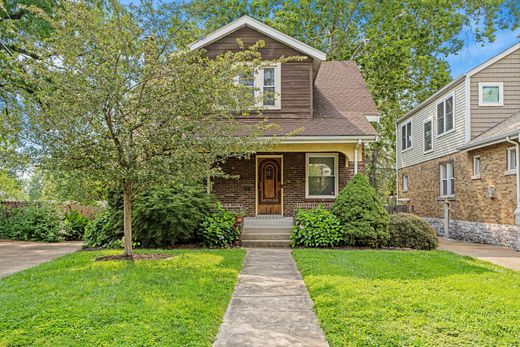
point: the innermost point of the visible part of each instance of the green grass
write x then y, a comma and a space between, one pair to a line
74, 301
406, 298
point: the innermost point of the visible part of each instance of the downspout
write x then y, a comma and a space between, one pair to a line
517, 210
356, 157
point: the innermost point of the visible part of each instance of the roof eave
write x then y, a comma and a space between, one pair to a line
491, 141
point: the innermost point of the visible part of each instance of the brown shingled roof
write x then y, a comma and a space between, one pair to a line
341, 104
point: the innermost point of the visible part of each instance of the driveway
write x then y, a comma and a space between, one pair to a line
19, 255
503, 256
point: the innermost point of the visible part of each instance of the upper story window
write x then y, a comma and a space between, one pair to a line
511, 160
265, 86
491, 94
428, 135
445, 116
447, 182
321, 178
406, 135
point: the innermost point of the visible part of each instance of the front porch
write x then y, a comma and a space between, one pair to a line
278, 183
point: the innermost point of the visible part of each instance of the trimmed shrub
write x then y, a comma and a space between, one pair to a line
362, 214
218, 228
34, 222
409, 231
316, 228
166, 217
76, 224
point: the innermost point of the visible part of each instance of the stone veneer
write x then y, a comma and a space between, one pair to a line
475, 216
242, 190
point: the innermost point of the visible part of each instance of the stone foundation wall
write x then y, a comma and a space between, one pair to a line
493, 234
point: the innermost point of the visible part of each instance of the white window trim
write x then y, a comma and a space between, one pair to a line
259, 87
475, 175
411, 137
429, 119
451, 194
336, 174
405, 189
509, 170
450, 95
500, 86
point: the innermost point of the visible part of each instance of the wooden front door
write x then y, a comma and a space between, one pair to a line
269, 185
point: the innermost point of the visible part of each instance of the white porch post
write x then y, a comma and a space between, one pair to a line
356, 157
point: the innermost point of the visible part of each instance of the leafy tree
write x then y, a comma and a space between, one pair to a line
113, 105
10, 186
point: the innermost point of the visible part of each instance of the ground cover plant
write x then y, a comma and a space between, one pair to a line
411, 298
316, 228
76, 301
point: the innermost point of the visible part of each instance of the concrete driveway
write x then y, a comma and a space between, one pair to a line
19, 255
503, 256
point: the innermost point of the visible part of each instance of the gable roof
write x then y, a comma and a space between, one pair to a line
264, 29
509, 127
457, 80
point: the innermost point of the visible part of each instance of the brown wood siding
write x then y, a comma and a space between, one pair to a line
506, 70
296, 84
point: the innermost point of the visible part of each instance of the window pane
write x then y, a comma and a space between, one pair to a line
452, 187
440, 118
322, 186
403, 137
427, 136
490, 94
449, 170
476, 166
449, 105
448, 116
511, 159
321, 166
269, 96
269, 77
409, 135
444, 187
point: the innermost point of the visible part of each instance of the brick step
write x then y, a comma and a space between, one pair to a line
266, 243
267, 229
266, 236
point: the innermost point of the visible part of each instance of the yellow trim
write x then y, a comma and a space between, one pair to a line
347, 149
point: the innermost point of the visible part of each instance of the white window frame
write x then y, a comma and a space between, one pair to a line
443, 101
336, 174
401, 135
475, 173
510, 170
449, 192
259, 85
500, 86
424, 137
405, 180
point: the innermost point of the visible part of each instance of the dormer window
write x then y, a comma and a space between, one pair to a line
265, 85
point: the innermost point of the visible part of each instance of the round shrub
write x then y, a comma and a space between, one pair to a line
316, 228
166, 217
410, 231
362, 214
218, 228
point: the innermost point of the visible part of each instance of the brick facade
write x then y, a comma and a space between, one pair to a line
471, 201
243, 191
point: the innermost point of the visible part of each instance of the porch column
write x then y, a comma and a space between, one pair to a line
356, 157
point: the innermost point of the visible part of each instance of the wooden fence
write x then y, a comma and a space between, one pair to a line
85, 210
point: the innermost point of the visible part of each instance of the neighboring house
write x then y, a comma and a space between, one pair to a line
326, 101
461, 146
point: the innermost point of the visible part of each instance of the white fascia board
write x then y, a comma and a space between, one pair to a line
325, 139
264, 29
373, 118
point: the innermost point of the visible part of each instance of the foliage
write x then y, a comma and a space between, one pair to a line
408, 298
362, 214
76, 301
106, 229
33, 222
316, 228
218, 228
76, 224
410, 231
165, 217
10, 187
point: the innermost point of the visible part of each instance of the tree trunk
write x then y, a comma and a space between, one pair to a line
127, 218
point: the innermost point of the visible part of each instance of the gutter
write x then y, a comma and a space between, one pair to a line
517, 210
323, 139
491, 141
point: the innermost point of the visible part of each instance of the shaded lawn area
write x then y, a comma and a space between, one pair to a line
74, 301
411, 298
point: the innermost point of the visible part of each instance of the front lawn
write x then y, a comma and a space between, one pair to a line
74, 301
419, 298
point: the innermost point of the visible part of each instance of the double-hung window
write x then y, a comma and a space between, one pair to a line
445, 116
406, 135
447, 182
428, 136
265, 84
511, 160
321, 175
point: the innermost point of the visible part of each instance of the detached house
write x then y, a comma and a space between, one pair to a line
460, 148
326, 100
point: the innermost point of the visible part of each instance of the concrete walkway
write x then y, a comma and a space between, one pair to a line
19, 255
503, 256
270, 305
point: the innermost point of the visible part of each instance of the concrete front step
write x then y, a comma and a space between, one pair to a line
266, 236
267, 229
265, 222
266, 243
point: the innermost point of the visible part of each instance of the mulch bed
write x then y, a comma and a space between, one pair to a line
148, 256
